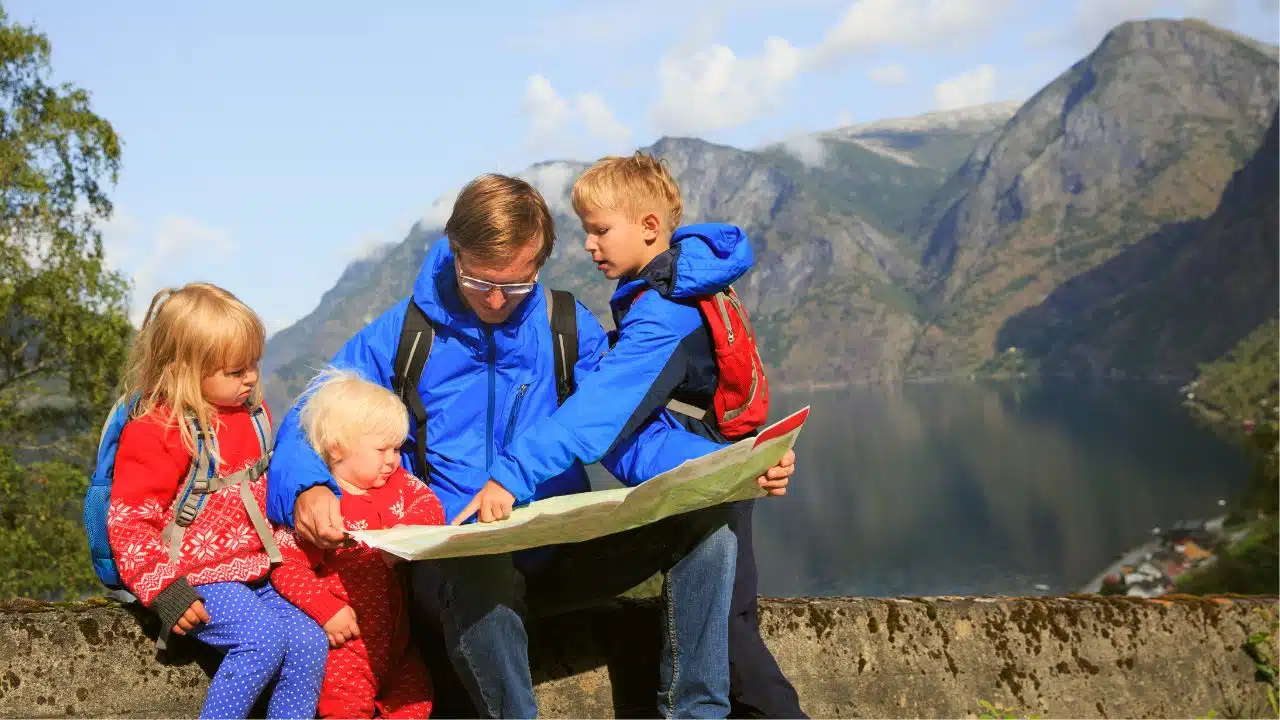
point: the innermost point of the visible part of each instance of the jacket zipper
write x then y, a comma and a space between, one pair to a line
493, 380
515, 413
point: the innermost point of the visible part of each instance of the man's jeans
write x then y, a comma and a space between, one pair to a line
481, 603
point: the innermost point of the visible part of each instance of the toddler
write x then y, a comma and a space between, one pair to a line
358, 427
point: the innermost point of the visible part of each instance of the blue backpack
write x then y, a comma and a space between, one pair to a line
202, 481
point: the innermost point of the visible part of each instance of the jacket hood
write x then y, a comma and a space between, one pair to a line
703, 259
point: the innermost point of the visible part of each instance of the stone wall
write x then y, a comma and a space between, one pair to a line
1082, 656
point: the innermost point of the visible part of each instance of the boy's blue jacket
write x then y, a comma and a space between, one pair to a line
489, 391
661, 349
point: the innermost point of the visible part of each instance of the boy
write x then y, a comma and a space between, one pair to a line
630, 209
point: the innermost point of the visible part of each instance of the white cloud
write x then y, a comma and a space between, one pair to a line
369, 245
890, 74
975, 87
807, 148
599, 120
546, 110
552, 119
714, 89
845, 119
440, 209
118, 233
175, 251
870, 25
553, 180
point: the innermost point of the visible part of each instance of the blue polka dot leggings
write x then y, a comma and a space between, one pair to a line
262, 634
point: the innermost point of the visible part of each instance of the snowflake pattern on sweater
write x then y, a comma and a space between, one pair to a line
152, 467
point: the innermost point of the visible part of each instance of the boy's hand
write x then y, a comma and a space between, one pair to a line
342, 627
775, 479
317, 517
493, 502
194, 616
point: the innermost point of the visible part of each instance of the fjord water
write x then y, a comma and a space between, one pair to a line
983, 489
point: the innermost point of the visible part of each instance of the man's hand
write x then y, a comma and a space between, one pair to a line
775, 479
493, 502
317, 517
342, 627
194, 616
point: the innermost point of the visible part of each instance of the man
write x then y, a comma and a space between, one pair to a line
491, 375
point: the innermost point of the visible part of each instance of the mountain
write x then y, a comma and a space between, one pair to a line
1144, 132
1073, 226
1177, 298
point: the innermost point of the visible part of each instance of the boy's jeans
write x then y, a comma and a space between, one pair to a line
481, 602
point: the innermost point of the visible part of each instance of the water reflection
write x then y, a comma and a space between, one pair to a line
979, 489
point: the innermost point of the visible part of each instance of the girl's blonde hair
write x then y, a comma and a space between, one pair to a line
188, 334
340, 406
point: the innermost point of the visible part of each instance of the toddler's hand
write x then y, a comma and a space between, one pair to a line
342, 627
194, 616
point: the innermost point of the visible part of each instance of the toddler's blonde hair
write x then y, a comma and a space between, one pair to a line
188, 334
341, 406
633, 185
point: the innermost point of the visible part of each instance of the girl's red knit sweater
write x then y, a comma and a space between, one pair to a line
152, 466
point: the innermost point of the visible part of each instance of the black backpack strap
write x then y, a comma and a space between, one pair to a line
562, 310
411, 357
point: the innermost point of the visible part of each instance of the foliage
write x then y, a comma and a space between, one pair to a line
1244, 384
1261, 648
1242, 387
65, 329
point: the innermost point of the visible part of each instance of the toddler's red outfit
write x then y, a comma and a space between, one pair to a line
379, 671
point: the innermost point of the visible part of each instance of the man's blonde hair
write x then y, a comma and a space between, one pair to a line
633, 185
188, 334
495, 216
341, 406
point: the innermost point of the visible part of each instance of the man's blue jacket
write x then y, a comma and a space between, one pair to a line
490, 395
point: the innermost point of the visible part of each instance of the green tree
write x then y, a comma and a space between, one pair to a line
63, 324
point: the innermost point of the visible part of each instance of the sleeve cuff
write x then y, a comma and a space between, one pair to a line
170, 603
510, 479
326, 606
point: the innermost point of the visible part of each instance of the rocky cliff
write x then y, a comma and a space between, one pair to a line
1143, 133
1183, 295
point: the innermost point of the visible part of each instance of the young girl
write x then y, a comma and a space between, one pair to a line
358, 427
194, 553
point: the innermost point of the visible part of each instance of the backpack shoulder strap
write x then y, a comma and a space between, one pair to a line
262, 425
412, 351
562, 311
191, 498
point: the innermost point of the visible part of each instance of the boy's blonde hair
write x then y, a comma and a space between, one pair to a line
633, 185
188, 334
342, 406
495, 216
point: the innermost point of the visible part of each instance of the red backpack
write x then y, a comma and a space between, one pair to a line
741, 401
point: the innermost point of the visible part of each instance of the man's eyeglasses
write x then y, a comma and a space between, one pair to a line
487, 287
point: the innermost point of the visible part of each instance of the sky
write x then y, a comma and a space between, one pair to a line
267, 145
